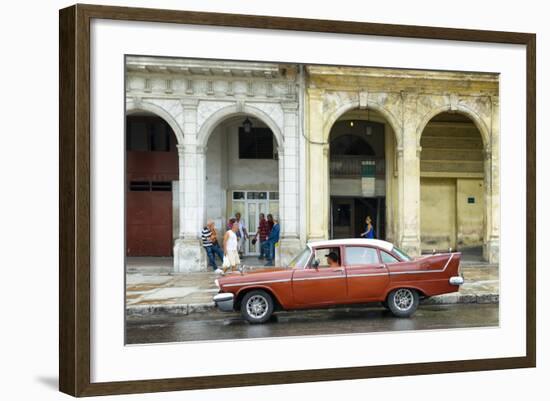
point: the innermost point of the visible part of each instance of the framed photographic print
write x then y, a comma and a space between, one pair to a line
279, 200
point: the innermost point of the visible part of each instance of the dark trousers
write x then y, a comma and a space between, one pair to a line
263, 253
269, 250
211, 252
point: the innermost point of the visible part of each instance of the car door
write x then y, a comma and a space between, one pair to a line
367, 276
323, 285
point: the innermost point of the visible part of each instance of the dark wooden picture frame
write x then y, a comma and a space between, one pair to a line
74, 203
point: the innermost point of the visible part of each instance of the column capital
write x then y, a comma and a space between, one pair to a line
487, 152
137, 101
409, 95
453, 102
189, 104
399, 150
289, 106
363, 99
191, 148
316, 93
239, 105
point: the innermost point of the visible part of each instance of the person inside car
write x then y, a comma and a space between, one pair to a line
332, 260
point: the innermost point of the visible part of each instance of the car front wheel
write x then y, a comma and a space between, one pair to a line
257, 306
403, 302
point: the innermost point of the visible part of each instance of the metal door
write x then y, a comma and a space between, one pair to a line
253, 210
149, 220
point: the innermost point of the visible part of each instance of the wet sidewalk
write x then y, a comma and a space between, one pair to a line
151, 288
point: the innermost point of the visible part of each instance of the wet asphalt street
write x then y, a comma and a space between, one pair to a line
224, 326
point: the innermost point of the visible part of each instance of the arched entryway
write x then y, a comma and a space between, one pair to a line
452, 186
242, 173
361, 156
151, 175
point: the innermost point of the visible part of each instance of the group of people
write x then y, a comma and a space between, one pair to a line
231, 249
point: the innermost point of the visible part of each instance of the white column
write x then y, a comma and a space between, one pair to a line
492, 188
318, 189
289, 184
188, 253
409, 178
189, 190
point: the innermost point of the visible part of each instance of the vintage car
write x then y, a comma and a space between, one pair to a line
365, 271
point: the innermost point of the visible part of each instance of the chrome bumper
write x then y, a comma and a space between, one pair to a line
224, 301
456, 280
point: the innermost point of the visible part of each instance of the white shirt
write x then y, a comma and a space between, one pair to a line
231, 244
241, 227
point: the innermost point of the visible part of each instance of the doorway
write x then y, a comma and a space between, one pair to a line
251, 204
348, 214
151, 169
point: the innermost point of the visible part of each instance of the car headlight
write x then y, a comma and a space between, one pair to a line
217, 282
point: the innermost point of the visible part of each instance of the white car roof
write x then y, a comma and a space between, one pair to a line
387, 246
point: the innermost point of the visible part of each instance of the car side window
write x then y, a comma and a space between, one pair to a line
387, 258
361, 255
321, 254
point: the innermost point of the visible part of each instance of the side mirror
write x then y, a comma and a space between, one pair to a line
316, 264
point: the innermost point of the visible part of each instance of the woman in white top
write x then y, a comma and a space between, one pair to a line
231, 247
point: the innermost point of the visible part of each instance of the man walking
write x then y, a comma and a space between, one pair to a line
272, 240
209, 239
261, 234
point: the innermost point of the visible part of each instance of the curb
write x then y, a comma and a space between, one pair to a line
449, 299
169, 309
188, 309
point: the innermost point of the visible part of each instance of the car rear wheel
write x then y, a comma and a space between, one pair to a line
403, 302
257, 306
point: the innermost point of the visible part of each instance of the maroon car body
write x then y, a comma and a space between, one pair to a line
367, 271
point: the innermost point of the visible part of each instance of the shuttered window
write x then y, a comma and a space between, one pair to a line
256, 144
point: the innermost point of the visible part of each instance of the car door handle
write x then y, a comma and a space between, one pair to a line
340, 270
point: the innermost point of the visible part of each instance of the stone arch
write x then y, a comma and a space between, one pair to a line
462, 109
344, 106
235, 110
354, 104
485, 134
133, 106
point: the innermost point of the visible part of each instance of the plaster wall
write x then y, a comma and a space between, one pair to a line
438, 213
470, 216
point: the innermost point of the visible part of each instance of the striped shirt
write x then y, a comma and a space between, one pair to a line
205, 236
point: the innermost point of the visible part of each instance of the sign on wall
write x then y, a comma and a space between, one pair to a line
368, 169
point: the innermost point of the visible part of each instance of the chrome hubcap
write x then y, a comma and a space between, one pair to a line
403, 299
256, 306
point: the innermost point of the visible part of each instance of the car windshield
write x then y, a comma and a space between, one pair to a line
301, 259
402, 254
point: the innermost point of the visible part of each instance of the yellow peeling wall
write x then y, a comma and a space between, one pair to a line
470, 216
446, 149
438, 213
451, 170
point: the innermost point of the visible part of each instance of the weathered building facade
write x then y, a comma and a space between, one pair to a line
440, 181
206, 103
322, 147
